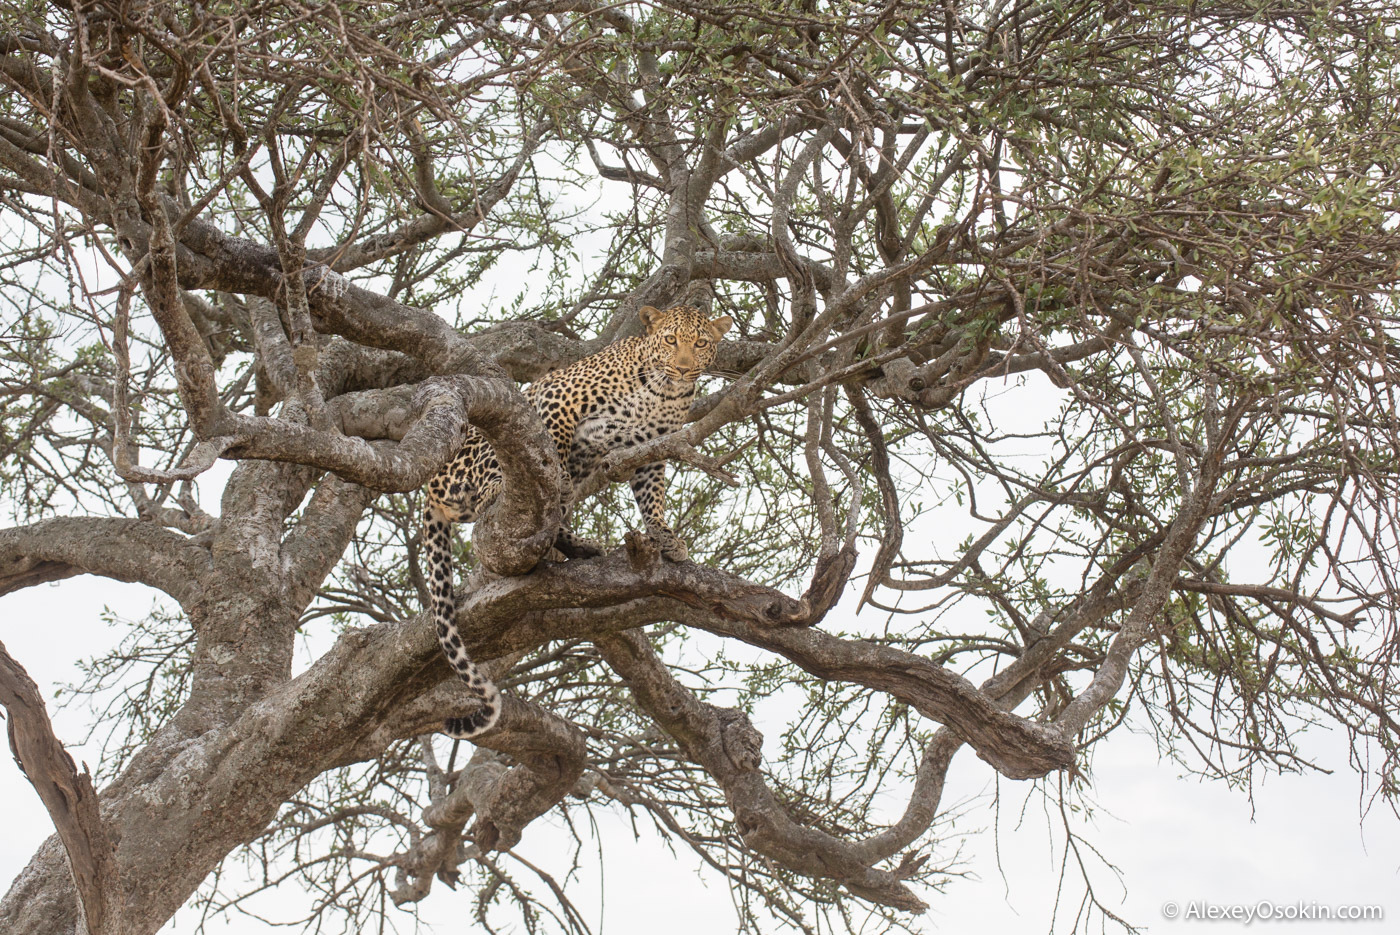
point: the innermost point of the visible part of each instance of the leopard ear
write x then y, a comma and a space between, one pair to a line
718, 326
650, 317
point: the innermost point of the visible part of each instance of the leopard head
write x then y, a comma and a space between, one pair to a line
681, 340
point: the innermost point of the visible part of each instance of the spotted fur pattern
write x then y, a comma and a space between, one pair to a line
630, 392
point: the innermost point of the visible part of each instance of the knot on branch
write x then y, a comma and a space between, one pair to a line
741, 742
738, 599
935, 384
742, 600
828, 581
643, 552
330, 283
546, 756
498, 541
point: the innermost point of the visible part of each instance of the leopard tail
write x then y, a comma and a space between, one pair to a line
437, 567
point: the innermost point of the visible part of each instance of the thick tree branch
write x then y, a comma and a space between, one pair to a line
68, 796
1137, 629
727, 745
124, 549
724, 604
1018, 748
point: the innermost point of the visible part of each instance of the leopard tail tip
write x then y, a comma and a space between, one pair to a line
475, 724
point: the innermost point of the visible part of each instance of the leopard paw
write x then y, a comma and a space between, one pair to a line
575, 546
673, 547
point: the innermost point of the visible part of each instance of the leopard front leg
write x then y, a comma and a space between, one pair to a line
649, 487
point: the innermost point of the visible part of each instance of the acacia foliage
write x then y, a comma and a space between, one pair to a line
1074, 321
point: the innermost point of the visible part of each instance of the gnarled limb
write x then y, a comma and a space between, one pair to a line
1018, 748
543, 758
727, 745
124, 549
68, 796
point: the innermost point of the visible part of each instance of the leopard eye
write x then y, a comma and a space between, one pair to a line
670, 339
702, 343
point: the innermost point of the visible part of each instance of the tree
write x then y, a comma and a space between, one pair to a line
317, 240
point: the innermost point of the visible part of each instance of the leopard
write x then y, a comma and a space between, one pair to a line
632, 391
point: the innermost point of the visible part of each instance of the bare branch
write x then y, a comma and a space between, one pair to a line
68, 796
